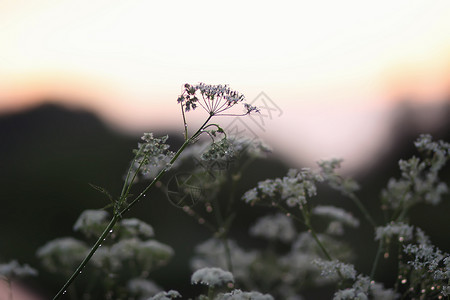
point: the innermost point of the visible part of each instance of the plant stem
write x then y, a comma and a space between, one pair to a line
88, 257
363, 209
228, 254
377, 258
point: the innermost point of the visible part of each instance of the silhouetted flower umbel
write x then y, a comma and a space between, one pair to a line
214, 99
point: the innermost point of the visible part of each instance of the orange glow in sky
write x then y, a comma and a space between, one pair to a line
334, 67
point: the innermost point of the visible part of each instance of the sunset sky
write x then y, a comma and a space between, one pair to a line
333, 69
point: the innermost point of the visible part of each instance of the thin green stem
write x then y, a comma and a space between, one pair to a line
184, 123
88, 257
210, 292
363, 209
228, 253
376, 260
128, 173
319, 243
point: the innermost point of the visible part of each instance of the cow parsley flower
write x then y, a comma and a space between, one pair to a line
346, 186
152, 156
62, 255
214, 99
276, 227
150, 254
419, 181
292, 189
166, 295
219, 151
14, 269
403, 231
240, 295
91, 222
364, 289
132, 227
335, 267
142, 288
336, 214
212, 253
212, 277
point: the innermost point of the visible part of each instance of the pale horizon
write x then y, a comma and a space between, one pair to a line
336, 70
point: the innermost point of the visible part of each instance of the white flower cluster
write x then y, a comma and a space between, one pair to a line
62, 255
297, 263
211, 253
292, 189
215, 99
150, 254
212, 277
152, 155
346, 186
335, 268
132, 227
13, 270
91, 222
276, 227
439, 149
240, 295
219, 151
403, 231
431, 261
166, 295
419, 181
254, 148
365, 289
336, 214
142, 288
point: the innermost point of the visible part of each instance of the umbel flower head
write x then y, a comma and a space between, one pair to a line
214, 99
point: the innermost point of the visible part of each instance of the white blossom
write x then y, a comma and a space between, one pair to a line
337, 214
91, 222
212, 253
334, 268
212, 277
240, 295
62, 255
142, 288
166, 295
403, 231
274, 227
135, 227
14, 269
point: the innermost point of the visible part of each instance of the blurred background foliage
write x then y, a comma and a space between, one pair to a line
49, 154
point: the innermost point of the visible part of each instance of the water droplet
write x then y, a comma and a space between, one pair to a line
99, 245
81, 272
111, 231
64, 292
145, 195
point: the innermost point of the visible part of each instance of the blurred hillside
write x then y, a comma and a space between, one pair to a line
50, 154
